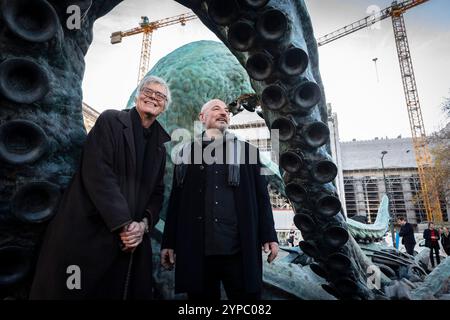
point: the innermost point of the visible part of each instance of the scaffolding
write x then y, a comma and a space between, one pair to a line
350, 196
363, 194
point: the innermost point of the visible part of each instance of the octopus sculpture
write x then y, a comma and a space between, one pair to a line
42, 133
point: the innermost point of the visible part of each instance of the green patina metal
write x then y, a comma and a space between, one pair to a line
372, 231
196, 73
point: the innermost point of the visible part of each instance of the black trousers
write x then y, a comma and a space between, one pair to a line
410, 248
436, 251
227, 270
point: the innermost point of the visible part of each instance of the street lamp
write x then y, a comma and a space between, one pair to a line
383, 153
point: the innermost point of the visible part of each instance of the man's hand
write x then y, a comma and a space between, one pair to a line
132, 235
168, 258
273, 248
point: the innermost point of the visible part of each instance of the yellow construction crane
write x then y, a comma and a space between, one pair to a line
423, 157
147, 27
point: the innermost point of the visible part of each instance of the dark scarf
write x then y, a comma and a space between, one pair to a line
184, 158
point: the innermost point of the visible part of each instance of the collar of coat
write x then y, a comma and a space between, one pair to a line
124, 117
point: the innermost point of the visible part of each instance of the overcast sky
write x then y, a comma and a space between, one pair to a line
366, 107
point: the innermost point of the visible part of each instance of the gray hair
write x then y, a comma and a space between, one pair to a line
154, 79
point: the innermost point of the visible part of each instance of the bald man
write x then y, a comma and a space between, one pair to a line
219, 216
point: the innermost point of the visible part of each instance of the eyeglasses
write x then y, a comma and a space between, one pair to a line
158, 95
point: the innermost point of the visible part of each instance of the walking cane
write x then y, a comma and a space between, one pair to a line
127, 279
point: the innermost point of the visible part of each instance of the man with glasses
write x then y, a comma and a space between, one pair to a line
219, 215
98, 245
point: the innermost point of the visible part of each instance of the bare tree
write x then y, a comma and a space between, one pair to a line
440, 150
446, 106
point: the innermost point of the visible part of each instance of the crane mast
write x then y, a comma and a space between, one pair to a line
430, 194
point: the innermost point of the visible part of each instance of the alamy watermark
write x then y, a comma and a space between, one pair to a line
375, 15
73, 281
76, 16
74, 20
224, 150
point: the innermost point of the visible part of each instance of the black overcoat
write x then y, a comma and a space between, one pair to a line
407, 234
427, 237
445, 241
184, 227
100, 200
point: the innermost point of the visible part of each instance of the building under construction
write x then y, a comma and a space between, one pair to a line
360, 180
364, 183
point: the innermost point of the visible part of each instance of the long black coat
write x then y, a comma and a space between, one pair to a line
445, 241
184, 228
407, 234
427, 237
100, 200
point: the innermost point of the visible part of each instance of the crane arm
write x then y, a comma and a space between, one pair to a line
355, 26
146, 27
395, 9
182, 18
152, 26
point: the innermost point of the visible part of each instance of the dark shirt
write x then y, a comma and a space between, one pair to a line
221, 226
145, 143
433, 236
